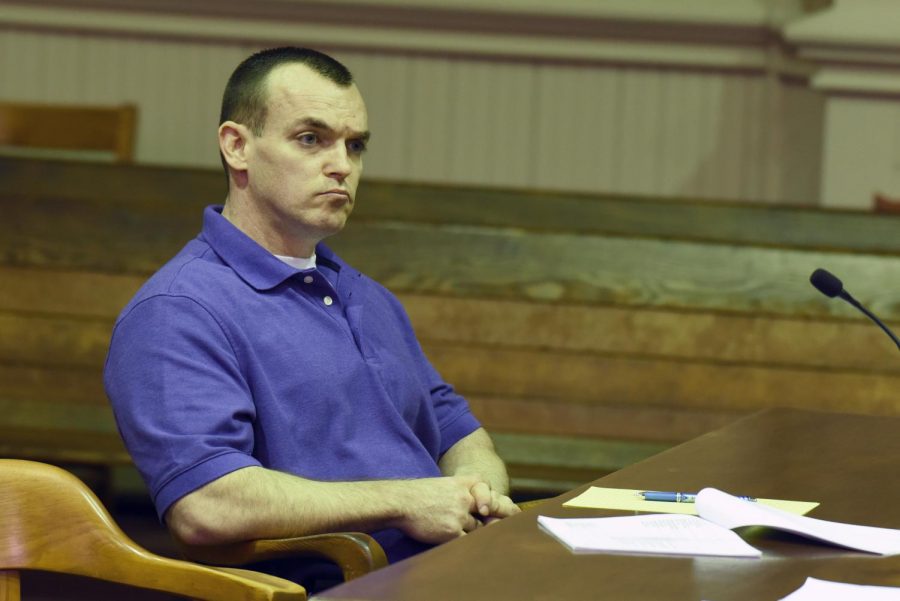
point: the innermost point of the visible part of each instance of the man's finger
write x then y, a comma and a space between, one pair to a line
471, 524
483, 496
507, 507
496, 502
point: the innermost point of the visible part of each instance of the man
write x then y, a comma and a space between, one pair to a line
263, 386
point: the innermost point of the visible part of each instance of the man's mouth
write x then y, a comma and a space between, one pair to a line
336, 192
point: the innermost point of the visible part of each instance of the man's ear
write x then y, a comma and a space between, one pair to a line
233, 138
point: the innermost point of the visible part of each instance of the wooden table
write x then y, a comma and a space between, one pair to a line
850, 463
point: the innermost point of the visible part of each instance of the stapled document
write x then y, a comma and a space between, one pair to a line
655, 533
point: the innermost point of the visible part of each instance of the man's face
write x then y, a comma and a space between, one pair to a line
303, 170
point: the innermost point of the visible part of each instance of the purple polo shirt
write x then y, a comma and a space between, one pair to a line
228, 357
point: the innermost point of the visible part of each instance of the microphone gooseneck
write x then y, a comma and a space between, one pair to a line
830, 285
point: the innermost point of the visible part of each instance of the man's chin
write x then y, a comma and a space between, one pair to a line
332, 227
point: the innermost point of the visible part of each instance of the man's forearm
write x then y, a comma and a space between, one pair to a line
474, 455
255, 502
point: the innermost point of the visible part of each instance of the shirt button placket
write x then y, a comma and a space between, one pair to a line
327, 299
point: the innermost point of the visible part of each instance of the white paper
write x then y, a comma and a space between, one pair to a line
824, 590
710, 533
655, 533
732, 512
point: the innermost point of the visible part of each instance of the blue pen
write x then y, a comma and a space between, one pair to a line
677, 497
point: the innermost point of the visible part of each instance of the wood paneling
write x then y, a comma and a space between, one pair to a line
557, 417
587, 332
548, 463
662, 382
180, 193
632, 216
82, 294
751, 340
59, 415
40, 386
59, 341
80, 447
614, 270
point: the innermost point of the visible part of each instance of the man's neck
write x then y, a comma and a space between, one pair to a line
270, 238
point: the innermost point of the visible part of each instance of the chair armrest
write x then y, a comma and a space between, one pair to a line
355, 553
51, 521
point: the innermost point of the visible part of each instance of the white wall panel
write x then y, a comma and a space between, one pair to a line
491, 112
576, 141
752, 131
803, 129
176, 85
637, 124
385, 81
435, 129
590, 127
511, 108
867, 129
678, 136
696, 115
730, 144
474, 148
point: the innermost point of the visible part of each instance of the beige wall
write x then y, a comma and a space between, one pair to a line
854, 47
603, 96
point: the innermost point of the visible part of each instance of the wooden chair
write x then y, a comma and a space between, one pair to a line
50, 520
62, 127
881, 203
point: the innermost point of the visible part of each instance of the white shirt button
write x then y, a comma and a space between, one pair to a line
328, 300
308, 279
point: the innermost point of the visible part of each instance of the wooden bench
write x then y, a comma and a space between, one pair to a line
86, 129
587, 332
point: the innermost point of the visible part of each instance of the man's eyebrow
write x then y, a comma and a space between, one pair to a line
321, 125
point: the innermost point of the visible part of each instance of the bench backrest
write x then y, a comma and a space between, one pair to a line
69, 127
586, 332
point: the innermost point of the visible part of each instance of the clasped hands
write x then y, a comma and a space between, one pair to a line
449, 507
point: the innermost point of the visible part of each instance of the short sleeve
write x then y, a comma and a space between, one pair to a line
180, 400
454, 418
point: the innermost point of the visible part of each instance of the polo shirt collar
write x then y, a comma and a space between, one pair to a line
326, 258
254, 264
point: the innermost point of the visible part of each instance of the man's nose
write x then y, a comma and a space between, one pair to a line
339, 165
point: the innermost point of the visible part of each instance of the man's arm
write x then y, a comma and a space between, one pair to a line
255, 502
474, 456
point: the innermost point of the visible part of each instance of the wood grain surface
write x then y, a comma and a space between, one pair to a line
578, 326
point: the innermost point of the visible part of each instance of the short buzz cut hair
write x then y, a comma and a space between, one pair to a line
245, 97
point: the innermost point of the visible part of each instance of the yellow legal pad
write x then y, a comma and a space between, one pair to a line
630, 500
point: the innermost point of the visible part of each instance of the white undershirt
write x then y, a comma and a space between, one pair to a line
299, 263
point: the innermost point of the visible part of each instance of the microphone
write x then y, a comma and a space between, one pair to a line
828, 284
